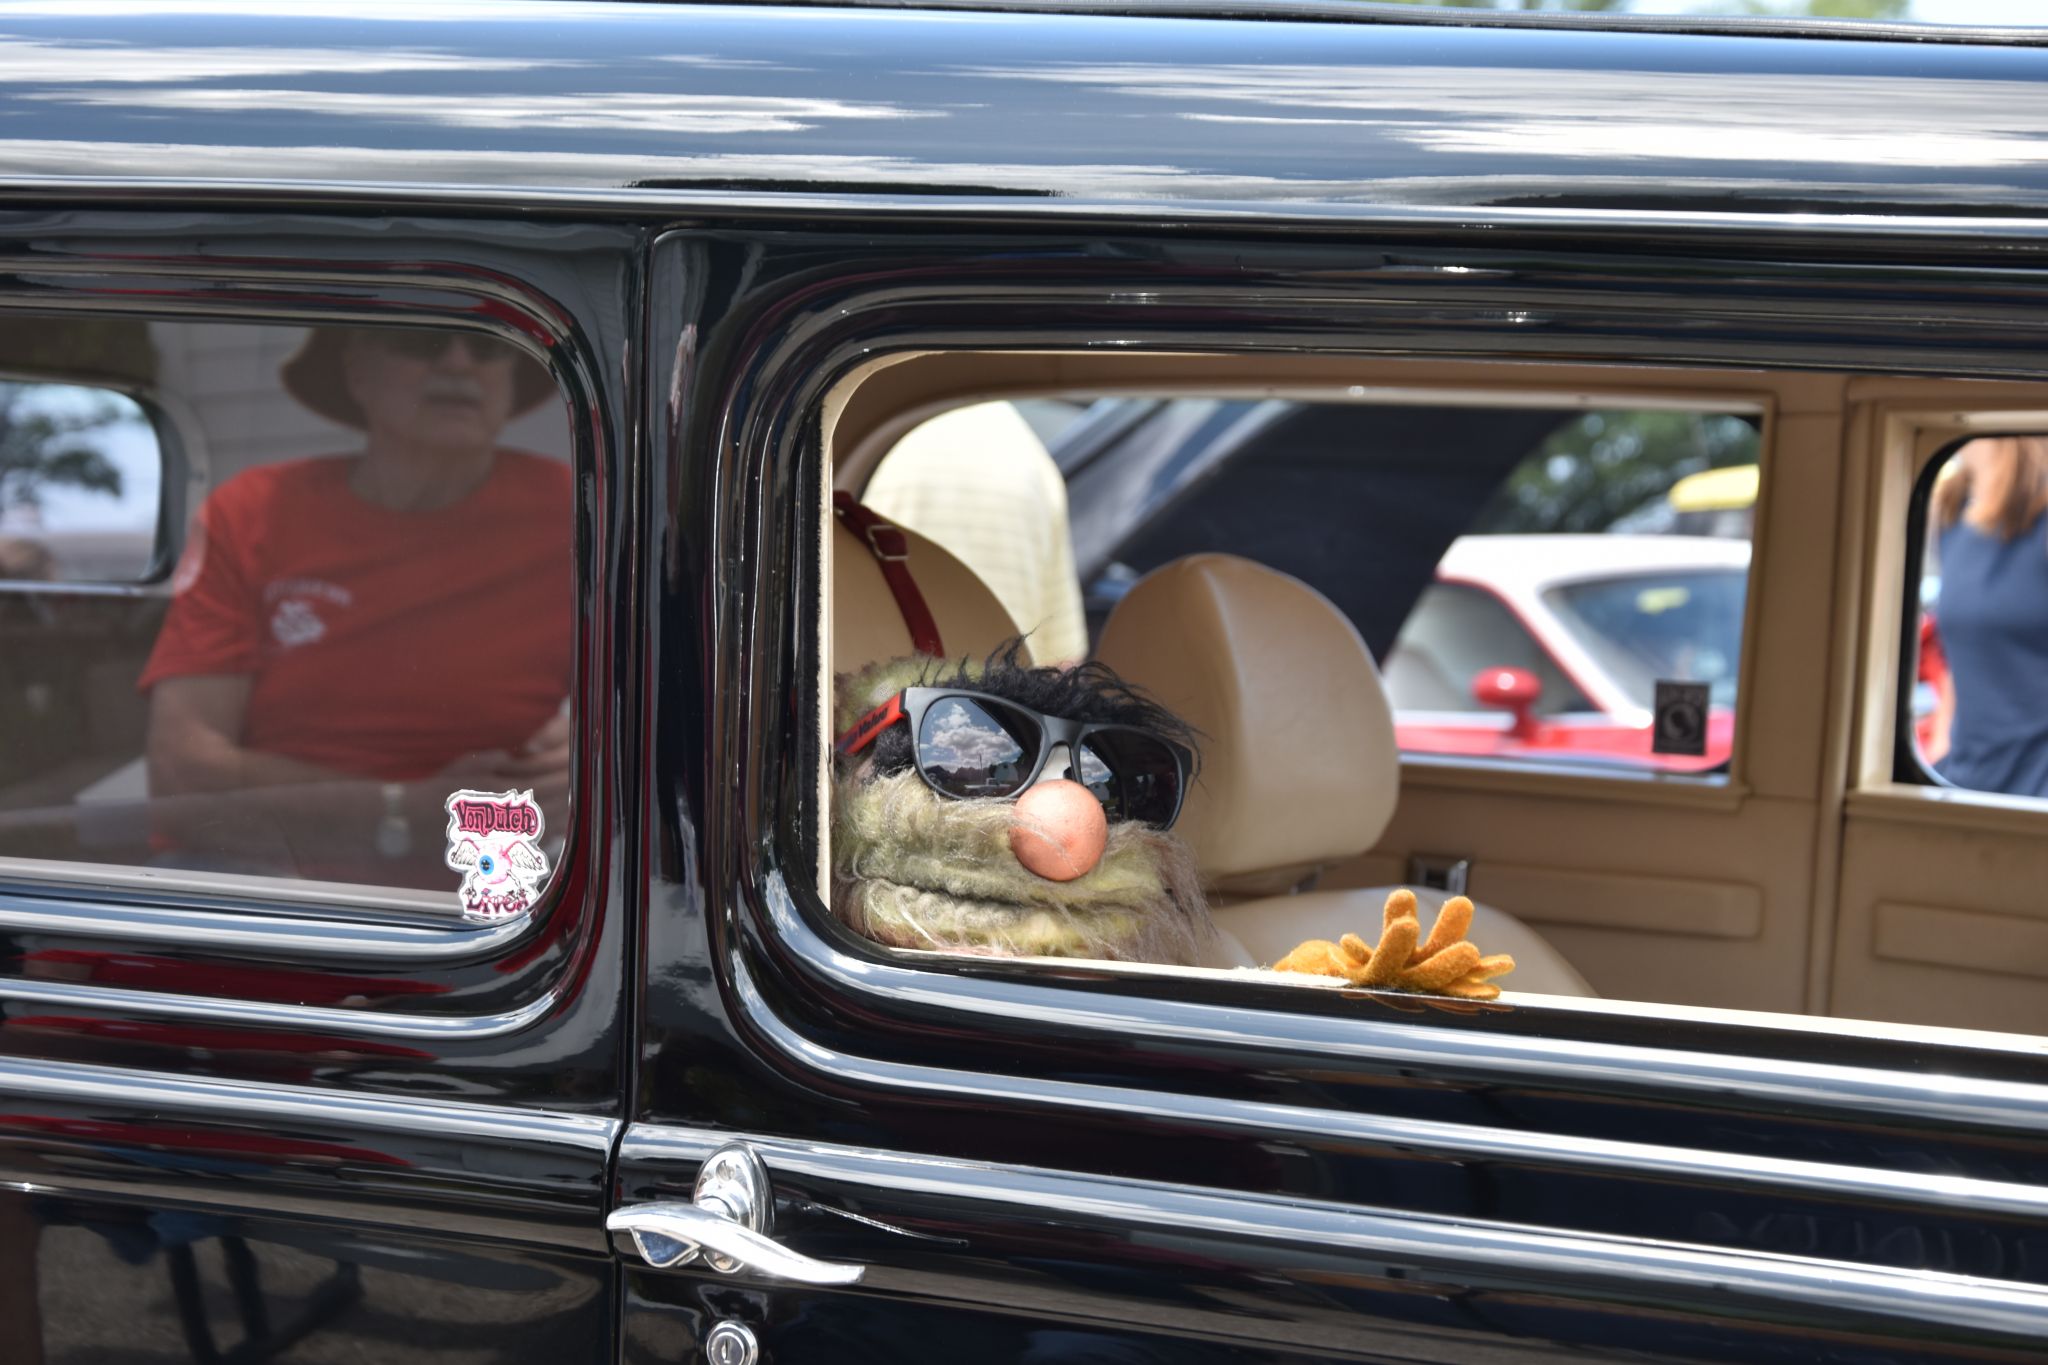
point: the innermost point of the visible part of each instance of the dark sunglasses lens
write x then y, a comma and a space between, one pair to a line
1136, 776
966, 748
422, 344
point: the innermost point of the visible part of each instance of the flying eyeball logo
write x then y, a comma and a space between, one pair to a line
494, 842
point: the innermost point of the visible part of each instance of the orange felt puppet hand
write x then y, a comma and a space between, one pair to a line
1445, 963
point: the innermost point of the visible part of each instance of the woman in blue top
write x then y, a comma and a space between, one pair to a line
1993, 615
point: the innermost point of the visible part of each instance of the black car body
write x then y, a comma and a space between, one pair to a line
310, 1132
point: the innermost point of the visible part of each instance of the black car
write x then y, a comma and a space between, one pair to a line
419, 607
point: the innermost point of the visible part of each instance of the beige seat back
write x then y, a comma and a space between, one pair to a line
1301, 769
867, 625
1299, 764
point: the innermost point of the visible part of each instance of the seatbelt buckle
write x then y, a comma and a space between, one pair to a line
888, 542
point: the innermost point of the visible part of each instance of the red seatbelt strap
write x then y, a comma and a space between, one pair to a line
891, 549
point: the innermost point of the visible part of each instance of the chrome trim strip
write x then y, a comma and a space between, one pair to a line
805, 206
123, 1001
1259, 1119
560, 1210
2014, 1105
1399, 1238
276, 1106
298, 935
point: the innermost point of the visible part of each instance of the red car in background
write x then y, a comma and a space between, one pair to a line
1552, 646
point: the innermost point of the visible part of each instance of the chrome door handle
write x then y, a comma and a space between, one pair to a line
727, 1225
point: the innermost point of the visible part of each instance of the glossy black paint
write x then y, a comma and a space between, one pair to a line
380, 1133
529, 101
1821, 1145
1070, 1167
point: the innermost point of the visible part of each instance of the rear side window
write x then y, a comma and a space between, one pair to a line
1979, 646
285, 603
1557, 586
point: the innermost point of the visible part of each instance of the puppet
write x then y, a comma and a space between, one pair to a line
953, 829
1445, 963
944, 835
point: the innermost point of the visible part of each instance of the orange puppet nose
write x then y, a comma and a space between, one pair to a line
1060, 830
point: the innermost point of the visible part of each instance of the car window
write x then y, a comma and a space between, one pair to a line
1642, 627
81, 484
290, 603
1455, 634
1603, 556
1973, 717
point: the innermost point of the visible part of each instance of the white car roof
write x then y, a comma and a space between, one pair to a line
1515, 564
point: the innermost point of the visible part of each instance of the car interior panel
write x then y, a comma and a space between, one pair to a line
1709, 891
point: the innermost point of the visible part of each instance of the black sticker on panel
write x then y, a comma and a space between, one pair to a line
1680, 725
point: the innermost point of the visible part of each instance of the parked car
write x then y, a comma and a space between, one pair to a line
1593, 624
646, 284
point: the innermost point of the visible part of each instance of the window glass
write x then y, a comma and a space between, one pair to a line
1455, 634
1003, 512
1982, 644
361, 606
1595, 555
81, 484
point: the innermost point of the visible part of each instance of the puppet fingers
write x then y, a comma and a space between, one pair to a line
1470, 989
1400, 906
1500, 964
1396, 945
1317, 957
1354, 947
1452, 964
1453, 922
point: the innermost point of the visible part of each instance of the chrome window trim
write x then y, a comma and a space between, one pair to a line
1262, 1120
1159, 1208
1857, 1091
805, 206
300, 933
128, 1002
270, 1108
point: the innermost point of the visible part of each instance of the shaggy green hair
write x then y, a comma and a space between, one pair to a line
913, 869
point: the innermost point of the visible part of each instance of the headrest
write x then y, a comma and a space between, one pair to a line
1299, 764
867, 625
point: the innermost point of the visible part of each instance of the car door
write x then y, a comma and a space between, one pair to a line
278, 1097
1936, 922
975, 1158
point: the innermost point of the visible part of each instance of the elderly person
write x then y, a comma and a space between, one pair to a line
360, 635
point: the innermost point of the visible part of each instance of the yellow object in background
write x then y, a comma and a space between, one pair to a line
979, 482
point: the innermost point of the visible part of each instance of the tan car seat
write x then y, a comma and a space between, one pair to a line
867, 625
1300, 770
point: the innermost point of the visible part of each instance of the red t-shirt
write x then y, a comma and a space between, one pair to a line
381, 643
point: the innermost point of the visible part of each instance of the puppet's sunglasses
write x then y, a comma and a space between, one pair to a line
968, 744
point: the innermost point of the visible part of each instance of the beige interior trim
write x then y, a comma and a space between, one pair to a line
1907, 803
1974, 940
1908, 433
1839, 733
875, 405
1609, 900
1511, 778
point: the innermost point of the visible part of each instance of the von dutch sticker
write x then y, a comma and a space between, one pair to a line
494, 842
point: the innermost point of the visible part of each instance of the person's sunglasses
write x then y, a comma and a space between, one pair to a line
968, 744
431, 344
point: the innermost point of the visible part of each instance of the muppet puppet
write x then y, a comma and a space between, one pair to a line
1009, 810
948, 834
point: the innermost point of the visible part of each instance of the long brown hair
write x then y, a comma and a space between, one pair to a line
2005, 493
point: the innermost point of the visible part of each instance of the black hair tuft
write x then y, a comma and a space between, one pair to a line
1089, 691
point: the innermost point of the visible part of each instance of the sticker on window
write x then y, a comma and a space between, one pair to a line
494, 842
1680, 718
